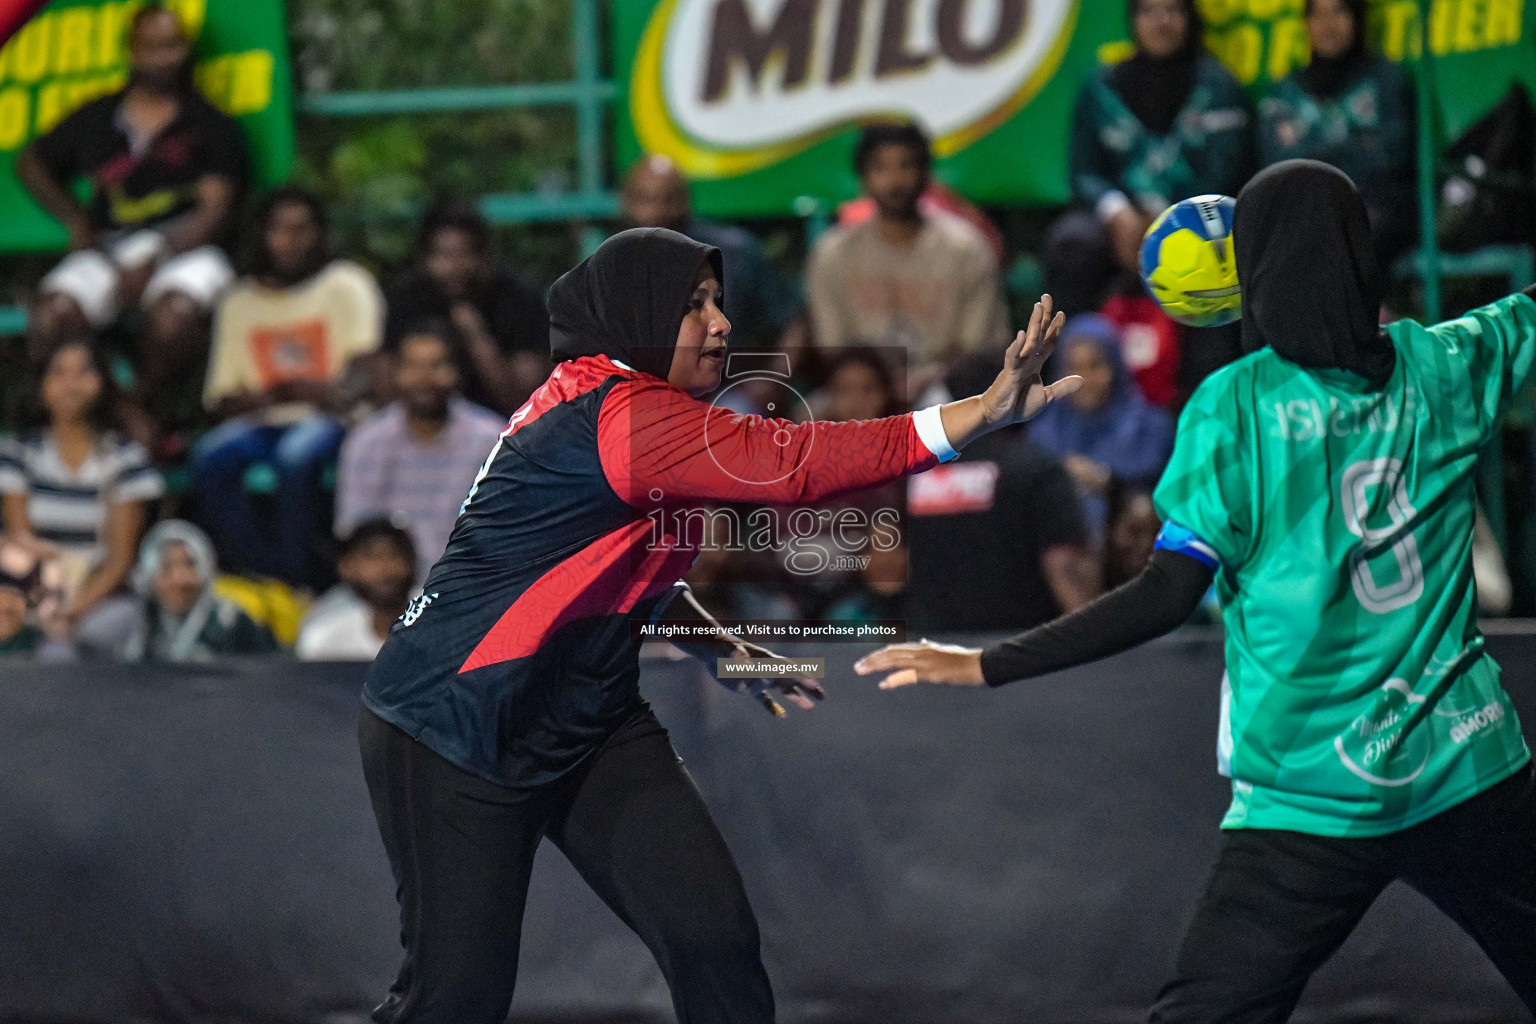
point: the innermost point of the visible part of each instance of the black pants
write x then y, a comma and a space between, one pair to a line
1279, 903
632, 824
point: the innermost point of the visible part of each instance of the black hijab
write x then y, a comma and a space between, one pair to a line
1155, 89
1326, 77
627, 300
1308, 270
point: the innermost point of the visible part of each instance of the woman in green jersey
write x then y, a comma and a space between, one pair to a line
1324, 481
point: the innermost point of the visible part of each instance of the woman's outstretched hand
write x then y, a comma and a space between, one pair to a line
1018, 393
923, 662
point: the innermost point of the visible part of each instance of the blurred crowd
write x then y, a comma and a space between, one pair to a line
230, 439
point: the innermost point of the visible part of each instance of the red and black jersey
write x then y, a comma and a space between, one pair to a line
517, 660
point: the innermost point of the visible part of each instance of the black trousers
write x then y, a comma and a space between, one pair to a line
630, 821
1278, 904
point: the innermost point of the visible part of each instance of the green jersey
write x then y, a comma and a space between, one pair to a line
1358, 699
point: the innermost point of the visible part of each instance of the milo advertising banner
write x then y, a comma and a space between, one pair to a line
759, 101
74, 51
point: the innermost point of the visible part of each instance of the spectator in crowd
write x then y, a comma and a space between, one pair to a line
414, 461
30, 598
878, 593
1167, 123
997, 539
18, 637
1130, 531
1353, 109
656, 196
378, 570
1106, 430
498, 314
923, 281
166, 169
283, 342
1150, 343
860, 386
76, 484
180, 617
937, 196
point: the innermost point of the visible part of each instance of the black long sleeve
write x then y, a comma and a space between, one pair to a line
1158, 601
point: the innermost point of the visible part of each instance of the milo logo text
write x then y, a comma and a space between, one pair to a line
726, 86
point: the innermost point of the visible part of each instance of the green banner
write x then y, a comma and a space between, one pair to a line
759, 101
74, 51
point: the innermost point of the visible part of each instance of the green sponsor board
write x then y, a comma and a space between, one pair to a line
74, 51
759, 100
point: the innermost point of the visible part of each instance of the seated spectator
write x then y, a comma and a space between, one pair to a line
1354, 109
377, 569
1130, 531
414, 462
937, 196
31, 583
1150, 343
859, 387
18, 637
1106, 430
165, 169
1165, 124
76, 484
921, 281
180, 618
283, 341
997, 539
656, 196
498, 313
879, 593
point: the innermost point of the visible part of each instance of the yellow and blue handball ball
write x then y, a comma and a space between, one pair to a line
1188, 265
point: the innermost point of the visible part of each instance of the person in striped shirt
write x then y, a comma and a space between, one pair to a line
76, 484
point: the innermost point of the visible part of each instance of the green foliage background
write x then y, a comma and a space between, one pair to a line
379, 172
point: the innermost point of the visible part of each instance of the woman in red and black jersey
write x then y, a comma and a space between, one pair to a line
504, 706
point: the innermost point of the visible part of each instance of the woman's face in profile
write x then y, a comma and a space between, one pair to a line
700, 354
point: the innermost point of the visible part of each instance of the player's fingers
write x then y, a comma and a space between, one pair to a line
1061, 389
1053, 332
800, 700
884, 658
1032, 331
1015, 347
812, 687
906, 677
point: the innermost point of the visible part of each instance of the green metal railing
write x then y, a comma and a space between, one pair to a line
588, 94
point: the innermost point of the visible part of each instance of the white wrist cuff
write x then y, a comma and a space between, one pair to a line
930, 430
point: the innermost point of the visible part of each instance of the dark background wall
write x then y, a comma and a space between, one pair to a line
196, 845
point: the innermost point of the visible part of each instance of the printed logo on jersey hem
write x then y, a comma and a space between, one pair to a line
1373, 746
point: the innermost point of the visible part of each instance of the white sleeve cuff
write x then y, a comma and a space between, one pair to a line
930, 430
1111, 204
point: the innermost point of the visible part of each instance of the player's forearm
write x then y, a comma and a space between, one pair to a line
662, 446
1156, 602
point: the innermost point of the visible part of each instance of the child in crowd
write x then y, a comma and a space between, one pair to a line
180, 616
378, 572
